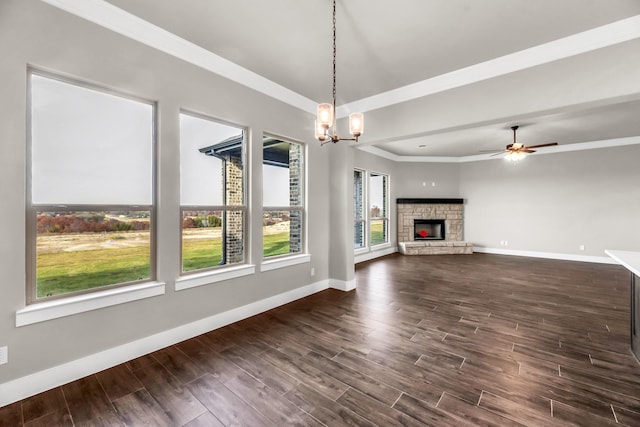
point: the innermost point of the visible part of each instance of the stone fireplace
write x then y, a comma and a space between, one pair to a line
431, 226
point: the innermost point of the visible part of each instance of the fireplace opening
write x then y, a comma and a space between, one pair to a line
428, 229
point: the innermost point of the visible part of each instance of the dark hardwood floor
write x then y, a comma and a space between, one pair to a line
447, 340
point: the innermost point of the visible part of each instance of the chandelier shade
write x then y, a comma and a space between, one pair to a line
325, 115
356, 124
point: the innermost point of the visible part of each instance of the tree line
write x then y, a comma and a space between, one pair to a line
53, 224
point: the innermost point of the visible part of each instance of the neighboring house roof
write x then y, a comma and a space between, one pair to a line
275, 151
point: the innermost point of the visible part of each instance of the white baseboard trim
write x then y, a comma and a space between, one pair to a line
549, 255
367, 256
35, 383
342, 285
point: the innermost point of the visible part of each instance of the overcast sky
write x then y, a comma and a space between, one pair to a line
89, 147
200, 175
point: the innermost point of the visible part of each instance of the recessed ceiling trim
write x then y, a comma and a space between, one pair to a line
122, 22
586, 41
606, 143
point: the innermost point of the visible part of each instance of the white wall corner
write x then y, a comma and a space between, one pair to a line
342, 285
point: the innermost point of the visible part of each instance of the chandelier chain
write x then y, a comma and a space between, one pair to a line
326, 121
334, 55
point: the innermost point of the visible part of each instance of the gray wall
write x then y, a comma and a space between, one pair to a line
551, 204
418, 179
340, 228
32, 32
554, 203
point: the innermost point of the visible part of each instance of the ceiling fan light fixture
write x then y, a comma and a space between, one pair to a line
514, 156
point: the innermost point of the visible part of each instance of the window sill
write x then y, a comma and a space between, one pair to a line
379, 246
214, 276
362, 250
274, 264
49, 310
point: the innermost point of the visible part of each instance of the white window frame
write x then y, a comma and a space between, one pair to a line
45, 309
292, 258
385, 219
213, 274
363, 219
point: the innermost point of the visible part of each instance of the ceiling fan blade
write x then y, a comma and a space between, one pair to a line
542, 145
527, 150
499, 152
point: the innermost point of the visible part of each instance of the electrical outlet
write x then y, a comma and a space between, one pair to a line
313, 271
582, 247
4, 355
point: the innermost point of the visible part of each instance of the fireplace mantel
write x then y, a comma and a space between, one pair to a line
429, 201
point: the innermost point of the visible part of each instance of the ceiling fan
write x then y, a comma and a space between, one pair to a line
517, 150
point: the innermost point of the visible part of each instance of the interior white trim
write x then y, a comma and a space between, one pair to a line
605, 143
115, 19
273, 264
548, 255
586, 41
49, 310
111, 17
628, 259
35, 383
374, 253
213, 276
342, 285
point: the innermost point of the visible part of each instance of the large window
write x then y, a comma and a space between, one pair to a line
90, 204
378, 209
212, 201
283, 197
359, 220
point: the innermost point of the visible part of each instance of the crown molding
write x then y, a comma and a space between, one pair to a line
591, 145
586, 41
124, 23
115, 19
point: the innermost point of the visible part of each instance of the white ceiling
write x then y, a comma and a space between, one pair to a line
436, 79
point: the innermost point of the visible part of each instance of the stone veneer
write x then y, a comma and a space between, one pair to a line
295, 197
234, 247
451, 210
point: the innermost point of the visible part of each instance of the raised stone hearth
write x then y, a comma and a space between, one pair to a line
449, 210
435, 248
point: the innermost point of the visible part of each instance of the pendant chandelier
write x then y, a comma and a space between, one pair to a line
325, 127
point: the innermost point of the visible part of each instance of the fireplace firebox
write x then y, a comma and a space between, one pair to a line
428, 229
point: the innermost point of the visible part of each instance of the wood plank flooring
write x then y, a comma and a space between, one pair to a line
424, 340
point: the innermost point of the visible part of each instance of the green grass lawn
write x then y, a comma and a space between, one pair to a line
275, 244
64, 272
207, 253
201, 253
70, 271
377, 232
